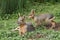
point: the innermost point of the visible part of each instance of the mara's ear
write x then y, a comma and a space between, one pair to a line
33, 11
23, 17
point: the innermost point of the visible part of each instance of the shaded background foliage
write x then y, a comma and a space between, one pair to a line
10, 7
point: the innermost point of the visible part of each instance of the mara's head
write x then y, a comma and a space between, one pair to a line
21, 20
32, 14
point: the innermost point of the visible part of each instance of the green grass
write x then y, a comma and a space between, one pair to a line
6, 34
7, 25
44, 8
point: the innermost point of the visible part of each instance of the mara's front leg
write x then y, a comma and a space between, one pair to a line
22, 31
53, 25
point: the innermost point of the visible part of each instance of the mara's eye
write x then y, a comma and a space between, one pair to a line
17, 28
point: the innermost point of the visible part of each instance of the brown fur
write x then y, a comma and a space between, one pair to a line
39, 19
57, 26
22, 30
24, 27
48, 25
